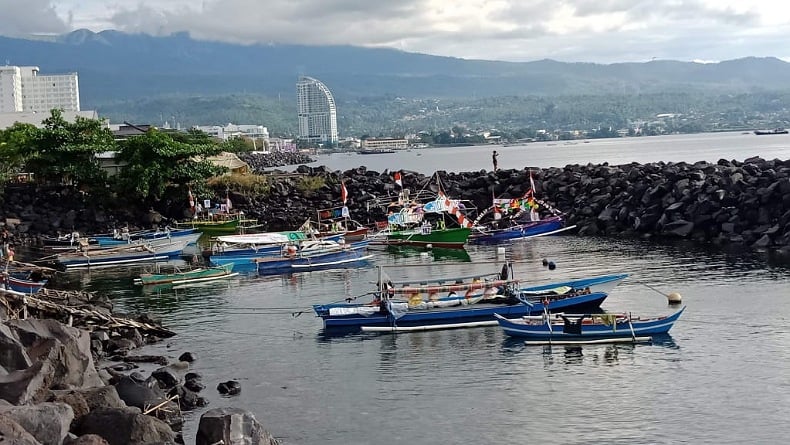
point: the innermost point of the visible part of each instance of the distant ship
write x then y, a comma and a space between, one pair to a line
774, 131
375, 151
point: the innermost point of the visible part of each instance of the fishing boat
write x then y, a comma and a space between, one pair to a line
220, 223
197, 275
120, 237
313, 255
424, 236
530, 229
137, 252
426, 219
517, 218
335, 221
774, 131
21, 283
397, 306
579, 328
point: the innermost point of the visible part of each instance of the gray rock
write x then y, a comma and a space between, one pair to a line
75, 400
12, 433
102, 397
231, 426
126, 426
47, 422
88, 439
13, 356
67, 348
27, 385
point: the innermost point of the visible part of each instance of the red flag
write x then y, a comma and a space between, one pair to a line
191, 200
343, 192
497, 212
398, 179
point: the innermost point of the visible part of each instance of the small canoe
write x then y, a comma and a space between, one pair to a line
188, 276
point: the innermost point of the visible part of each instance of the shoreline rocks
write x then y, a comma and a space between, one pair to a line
60, 384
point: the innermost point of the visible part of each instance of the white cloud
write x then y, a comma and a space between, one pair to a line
570, 30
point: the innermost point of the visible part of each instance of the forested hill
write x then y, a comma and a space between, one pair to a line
114, 65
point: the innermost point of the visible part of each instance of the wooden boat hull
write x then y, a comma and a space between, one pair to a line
472, 314
452, 238
621, 329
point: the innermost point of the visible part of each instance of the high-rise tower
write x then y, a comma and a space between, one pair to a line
22, 88
316, 112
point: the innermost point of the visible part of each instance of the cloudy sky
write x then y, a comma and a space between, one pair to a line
602, 31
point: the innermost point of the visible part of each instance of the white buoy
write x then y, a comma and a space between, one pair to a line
429, 246
500, 251
674, 298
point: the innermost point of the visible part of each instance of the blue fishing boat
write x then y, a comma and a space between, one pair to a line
530, 229
409, 307
586, 328
313, 255
21, 283
119, 238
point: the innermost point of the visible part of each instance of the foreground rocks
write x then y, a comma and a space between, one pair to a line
53, 393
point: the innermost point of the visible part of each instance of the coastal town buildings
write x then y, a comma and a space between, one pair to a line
375, 143
23, 89
316, 112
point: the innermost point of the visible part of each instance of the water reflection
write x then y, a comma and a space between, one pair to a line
436, 253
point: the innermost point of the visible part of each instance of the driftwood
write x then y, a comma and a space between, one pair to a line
85, 315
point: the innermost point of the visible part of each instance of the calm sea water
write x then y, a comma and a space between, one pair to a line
688, 147
720, 378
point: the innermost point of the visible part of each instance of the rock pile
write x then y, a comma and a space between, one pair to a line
53, 392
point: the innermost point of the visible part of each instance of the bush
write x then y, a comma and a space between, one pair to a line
308, 185
244, 184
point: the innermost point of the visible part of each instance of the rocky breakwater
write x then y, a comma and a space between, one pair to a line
71, 378
724, 203
729, 202
260, 162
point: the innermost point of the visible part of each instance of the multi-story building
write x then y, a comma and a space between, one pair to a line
385, 143
316, 112
22, 88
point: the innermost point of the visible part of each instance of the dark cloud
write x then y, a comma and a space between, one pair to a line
572, 30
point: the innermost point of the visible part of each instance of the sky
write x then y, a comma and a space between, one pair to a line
600, 31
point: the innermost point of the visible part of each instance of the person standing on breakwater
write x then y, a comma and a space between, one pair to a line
494, 158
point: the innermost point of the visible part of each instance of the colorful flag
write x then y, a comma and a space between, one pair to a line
343, 192
398, 179
191, 200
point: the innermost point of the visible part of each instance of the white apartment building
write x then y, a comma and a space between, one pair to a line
316, 112
22, 88
257, 133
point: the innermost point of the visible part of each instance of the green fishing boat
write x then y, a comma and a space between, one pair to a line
449, 238
187, 276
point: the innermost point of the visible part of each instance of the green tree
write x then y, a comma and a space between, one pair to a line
15, 143
239, 145
66, 151
155, 162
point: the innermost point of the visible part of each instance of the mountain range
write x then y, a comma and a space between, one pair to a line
118, 68
114, 65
